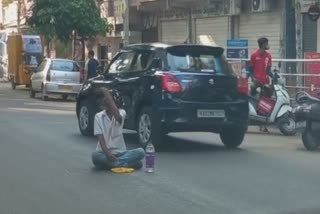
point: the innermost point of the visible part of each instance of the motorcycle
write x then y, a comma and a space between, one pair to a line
272, 107
307, 117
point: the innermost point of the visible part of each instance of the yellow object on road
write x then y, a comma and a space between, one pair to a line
122, 170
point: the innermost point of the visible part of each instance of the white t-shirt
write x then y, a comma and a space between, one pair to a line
106, 126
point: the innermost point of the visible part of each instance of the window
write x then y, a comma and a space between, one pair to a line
122, 63
141, 61
63, 65
190, 59
204, 63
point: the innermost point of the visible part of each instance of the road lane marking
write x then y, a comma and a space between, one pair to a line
43, 111
50, 104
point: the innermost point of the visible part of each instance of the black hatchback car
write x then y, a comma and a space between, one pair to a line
171, 88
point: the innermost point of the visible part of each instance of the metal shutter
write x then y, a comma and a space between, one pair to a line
216, 27
173, 31
255, 25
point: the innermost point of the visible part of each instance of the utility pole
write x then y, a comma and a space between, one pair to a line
126, 26
19, 16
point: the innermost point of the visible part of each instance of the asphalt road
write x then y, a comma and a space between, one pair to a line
46, 168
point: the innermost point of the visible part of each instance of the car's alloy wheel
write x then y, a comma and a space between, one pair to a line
84, 118
149, 128
145, 128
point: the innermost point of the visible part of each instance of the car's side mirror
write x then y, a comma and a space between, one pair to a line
156, 64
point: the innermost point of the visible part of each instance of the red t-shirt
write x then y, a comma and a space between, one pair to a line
259, 63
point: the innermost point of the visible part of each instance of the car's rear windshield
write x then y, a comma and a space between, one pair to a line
63, 65
194, 59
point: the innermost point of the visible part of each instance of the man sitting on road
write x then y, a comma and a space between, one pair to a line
111, 149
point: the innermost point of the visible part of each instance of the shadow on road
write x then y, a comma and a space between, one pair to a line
58, 99
270, 133
302, 149
171, 144
175, 144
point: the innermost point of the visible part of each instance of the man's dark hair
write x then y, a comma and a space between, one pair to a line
91, 53
262, 41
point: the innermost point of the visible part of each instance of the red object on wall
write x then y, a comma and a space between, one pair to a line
312, 82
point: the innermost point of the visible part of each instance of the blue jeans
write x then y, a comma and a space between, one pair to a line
131, 158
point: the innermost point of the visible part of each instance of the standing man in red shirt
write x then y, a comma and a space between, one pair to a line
260, 65
260, 68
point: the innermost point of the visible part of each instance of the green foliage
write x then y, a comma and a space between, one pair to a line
6, 2
59, 18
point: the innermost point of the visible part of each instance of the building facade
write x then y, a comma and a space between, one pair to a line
181, 21
186, 21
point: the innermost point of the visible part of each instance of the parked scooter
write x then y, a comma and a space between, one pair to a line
307, 116
272, 107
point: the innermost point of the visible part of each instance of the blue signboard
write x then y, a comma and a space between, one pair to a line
237, 49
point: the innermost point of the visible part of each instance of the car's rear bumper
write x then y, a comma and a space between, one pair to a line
62, 88
184, 117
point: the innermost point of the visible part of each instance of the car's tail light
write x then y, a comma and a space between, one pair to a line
48, 76
242, 85
170, 84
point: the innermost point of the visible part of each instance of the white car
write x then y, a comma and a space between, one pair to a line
56, 76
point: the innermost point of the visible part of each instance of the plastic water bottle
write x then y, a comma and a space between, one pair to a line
150, 156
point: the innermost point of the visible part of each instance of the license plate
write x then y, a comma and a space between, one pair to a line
301, 125
211, 114
65, 87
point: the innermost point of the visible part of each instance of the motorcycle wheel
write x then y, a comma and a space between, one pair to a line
286, 125
309, 141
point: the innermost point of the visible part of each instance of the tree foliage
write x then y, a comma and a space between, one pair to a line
6, 2
59, 18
